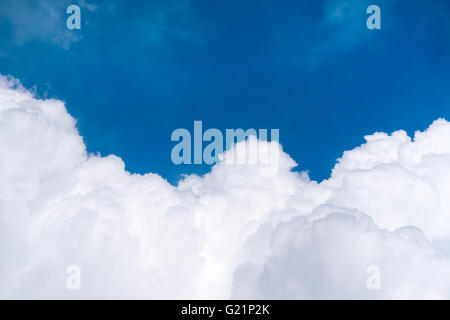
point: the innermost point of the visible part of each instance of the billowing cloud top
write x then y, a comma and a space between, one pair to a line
233, 233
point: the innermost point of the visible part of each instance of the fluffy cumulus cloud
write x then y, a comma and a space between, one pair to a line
236, 232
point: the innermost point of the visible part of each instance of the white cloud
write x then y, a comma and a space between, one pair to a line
234, 232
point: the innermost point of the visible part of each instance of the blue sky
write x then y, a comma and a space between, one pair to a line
135, 72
